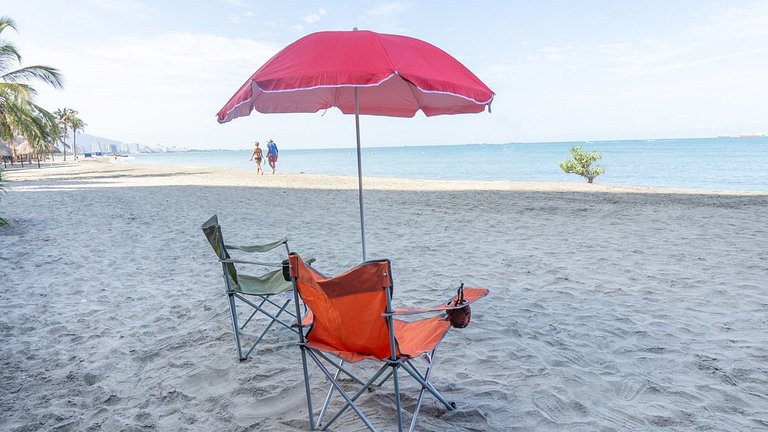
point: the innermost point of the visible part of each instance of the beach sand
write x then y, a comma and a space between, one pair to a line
611, 308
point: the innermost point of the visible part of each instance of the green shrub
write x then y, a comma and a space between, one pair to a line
583, 163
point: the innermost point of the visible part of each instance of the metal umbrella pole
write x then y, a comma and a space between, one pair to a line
359, 174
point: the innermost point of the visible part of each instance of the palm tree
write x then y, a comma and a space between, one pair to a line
76, 124
19, 114
64, 118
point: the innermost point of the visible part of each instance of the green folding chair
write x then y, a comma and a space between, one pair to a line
261, 293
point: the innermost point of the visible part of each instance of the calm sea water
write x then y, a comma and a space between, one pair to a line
725, 164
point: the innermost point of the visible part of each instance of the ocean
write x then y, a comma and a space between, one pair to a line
721, 164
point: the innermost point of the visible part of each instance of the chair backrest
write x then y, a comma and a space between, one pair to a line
347, 308
212, 232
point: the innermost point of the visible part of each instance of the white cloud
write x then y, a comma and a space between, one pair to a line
163, 89
314, 17
388, 9
239, 3
237, 18
123, 6
736, 22
645, 63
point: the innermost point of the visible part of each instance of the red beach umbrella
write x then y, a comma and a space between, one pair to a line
360, 72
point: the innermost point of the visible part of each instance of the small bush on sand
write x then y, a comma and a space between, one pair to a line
583, 163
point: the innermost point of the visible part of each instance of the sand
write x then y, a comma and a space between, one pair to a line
611, 308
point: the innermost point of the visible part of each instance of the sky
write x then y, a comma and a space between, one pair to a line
157, 72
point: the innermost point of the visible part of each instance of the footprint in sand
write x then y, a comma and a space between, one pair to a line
552, 406
621, 419
575, 358
631, 388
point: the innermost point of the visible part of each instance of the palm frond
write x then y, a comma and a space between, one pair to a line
6, 22
9, 55
46, 74
16, 91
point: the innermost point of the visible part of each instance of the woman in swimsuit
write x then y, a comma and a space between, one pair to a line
257, 154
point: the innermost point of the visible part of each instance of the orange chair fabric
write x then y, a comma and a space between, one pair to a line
347, 314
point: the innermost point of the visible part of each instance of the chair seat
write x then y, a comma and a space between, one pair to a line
268, 284
414, 338
417, 337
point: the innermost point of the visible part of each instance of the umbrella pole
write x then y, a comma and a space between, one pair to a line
359, 173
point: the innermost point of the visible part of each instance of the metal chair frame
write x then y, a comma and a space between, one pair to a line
267, 306
392, 366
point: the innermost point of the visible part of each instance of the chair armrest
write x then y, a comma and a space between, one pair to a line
236, 261
470, 295
259, 247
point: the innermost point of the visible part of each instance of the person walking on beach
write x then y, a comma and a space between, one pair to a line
257, 154
271, 154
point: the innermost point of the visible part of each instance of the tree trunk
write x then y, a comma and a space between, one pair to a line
64, 143
38, 161
589, 179
74, 143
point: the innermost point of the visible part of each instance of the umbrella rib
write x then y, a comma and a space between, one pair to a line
411, 86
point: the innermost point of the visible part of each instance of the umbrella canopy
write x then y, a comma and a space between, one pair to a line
360, 72
395, 75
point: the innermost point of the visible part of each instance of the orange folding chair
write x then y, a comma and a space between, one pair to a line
351, 318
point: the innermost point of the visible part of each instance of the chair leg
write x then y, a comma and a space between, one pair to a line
235, 327
386, 377
341, 368
350, 401
303, 348
252, 315
426, 376
399, 411
268, 327
330, 393
265, 312
306, 388
428, 386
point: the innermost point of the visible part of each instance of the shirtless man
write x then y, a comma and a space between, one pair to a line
257, 154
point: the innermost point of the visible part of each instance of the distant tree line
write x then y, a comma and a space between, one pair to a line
21, 119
